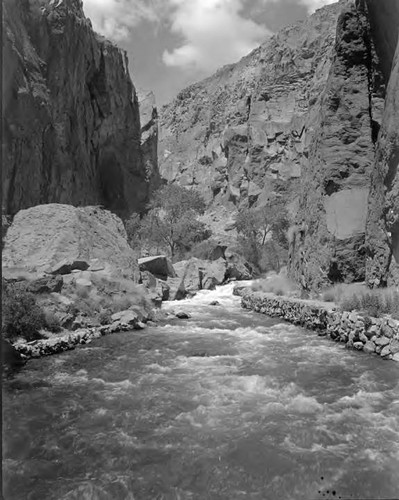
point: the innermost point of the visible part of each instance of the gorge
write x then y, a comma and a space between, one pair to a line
164, 384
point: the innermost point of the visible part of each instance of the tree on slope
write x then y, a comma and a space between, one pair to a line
262, 232
171, 221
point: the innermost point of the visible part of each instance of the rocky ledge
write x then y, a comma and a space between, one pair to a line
378, 336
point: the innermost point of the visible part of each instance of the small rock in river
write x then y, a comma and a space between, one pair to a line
182, 315
214, 303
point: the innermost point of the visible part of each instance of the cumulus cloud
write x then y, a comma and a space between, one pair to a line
114, 18
312, 5
214, 33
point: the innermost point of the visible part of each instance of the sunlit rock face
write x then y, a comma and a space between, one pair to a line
245, 132
382, 264
335, 184
311, 115
71, 116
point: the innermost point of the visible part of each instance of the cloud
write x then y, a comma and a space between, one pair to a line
214, 33
312, 5
114, 18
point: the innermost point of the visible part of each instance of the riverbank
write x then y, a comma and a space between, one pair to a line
378, 336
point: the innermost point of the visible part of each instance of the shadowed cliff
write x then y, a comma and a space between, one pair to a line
71, 129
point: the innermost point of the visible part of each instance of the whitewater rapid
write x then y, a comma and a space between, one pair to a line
228, 404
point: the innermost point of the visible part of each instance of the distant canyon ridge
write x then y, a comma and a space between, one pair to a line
312, 115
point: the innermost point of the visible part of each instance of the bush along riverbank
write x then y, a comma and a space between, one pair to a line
379, 336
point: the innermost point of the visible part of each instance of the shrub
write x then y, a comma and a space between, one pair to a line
21, 315
52, 322
105, 318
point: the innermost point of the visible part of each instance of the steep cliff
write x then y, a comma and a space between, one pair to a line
382, 264
312, 116
149, 138
71, 129
243, 133
330, 243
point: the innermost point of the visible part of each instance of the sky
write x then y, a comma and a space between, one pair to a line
173, 43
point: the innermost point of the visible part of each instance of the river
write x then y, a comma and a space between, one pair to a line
228, 404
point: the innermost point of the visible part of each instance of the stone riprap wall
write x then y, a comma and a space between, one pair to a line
371, 335
70, 340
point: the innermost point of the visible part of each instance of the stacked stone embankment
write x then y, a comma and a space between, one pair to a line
68, 341
378, 336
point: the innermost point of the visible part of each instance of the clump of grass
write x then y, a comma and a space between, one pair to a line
343, 291
105, 317
278, 284
328, 296
375, 303
108, 296
52, 322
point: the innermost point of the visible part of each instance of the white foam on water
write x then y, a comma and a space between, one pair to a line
158, 368
361, 399
304, 404
100, 411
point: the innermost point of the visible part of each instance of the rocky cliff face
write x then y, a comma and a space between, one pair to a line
243, 132
71, 131
149, 139
303, 116
330, 242
382, 264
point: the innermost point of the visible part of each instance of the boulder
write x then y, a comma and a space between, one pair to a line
148, 280
237, 267
158, 265
128, 318
177, 290
182, 315
66, 266
60, 238
159, 289
200, 274
47, 284
213, 274
369, 347
189, 272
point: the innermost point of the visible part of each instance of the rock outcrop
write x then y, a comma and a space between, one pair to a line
329, 245
149, 139
382, 241
49, 238
71, 130
243, 133
312, 116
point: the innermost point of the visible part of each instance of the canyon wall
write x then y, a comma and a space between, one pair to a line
382, 263
243, 133
311, 115
71, 128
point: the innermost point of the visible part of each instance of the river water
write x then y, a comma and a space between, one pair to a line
229, 404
